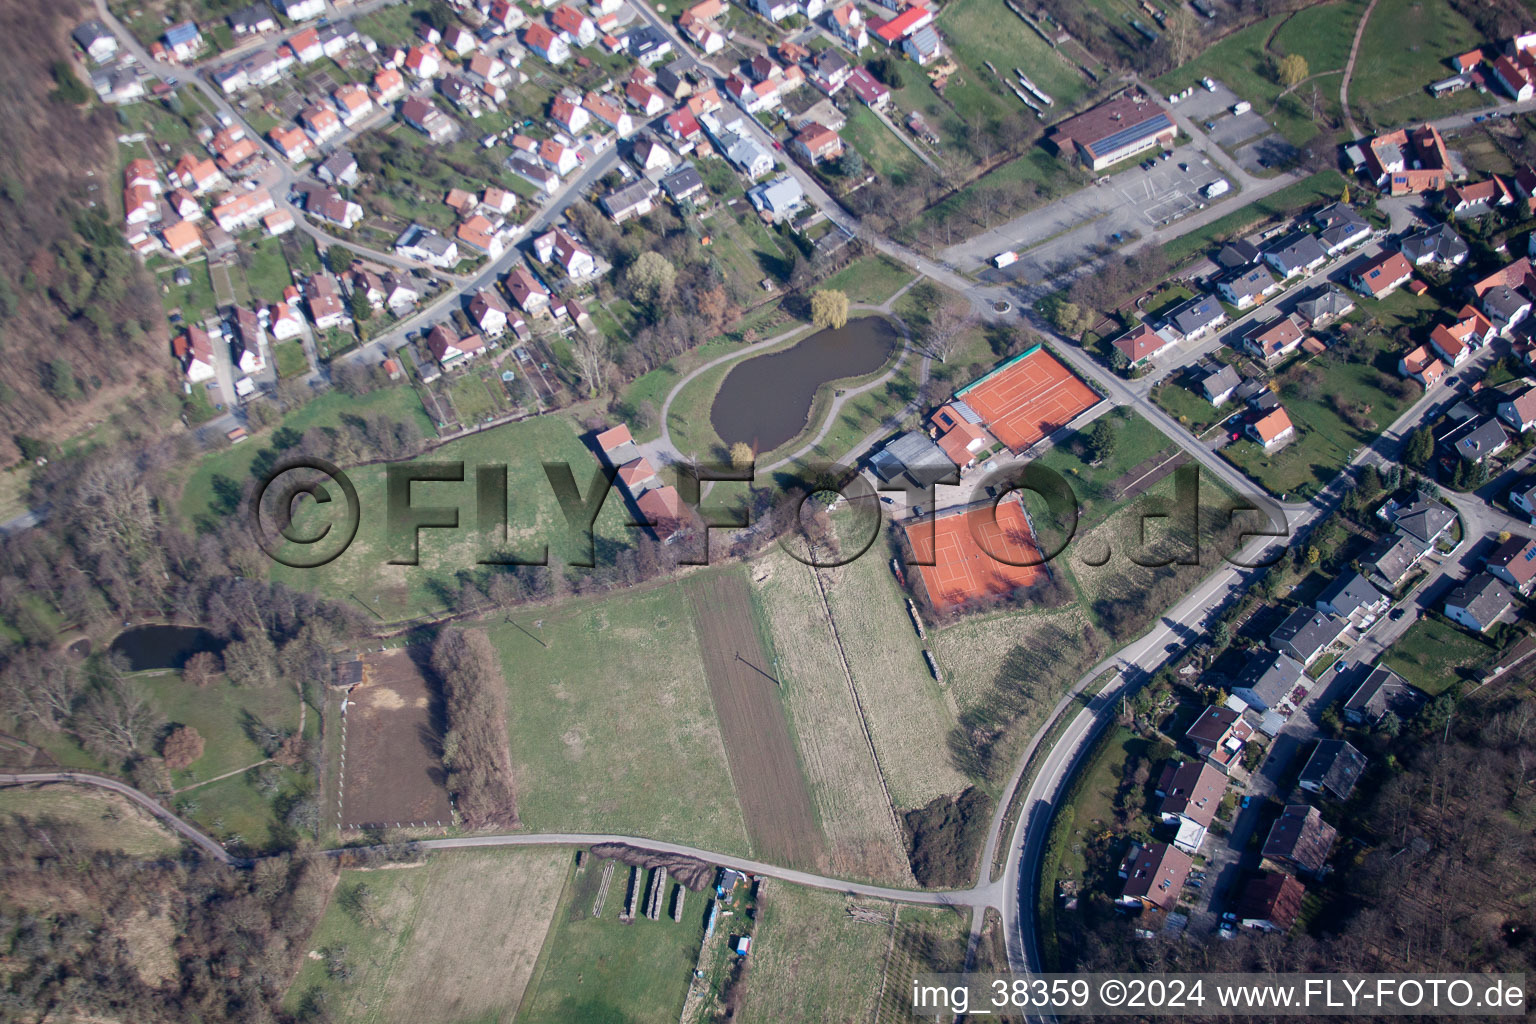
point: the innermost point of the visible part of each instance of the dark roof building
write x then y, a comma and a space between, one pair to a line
1306, 633
1271, 902
1478, 603
1391, 558
915, 454
1514, 562
1266, 682
1198, 316
1219, 734
1154, 875
1301, 838
1350, 595
1324, 305
1334, 768
1383, 691
1439, 244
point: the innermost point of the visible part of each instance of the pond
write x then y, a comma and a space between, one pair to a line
766, 400
162, 646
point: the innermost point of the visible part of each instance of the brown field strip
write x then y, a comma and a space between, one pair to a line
391, 772
764, 769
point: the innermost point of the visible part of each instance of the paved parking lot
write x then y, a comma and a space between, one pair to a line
1202, 106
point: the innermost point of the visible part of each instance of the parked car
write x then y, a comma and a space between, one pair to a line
1248, 800
1227, 930
1397, 613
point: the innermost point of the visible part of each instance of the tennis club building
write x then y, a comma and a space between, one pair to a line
1114, 131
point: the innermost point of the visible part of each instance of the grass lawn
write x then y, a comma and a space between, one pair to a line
233, 810
811, 960
391, 25
402, 932
1404, 48
871, 280
1326, 439
195, 301
94, 819
985, 30
470, 398
1324, 186
267, 273
612, 725
221, 712
363, 574
1034, 169
1436, 654
290, 358
880, 148
1189, 407
218, 474
1136, 441
597, 969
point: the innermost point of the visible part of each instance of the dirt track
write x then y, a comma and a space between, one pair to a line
764, 769
392, 773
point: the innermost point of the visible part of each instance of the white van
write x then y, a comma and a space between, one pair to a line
1004, 259
1219, 187
1241, 107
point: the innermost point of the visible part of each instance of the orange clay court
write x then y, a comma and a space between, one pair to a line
1028, 398
962, 569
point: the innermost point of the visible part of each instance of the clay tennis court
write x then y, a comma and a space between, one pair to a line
1027, 398
958, 545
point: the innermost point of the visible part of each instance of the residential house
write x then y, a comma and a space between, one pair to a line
1197, 317
490, 312
869, 90
278, 222
400, 291
487, 70
139, 206
353, 103
460, 40
777, 199
609, 111
1505, 295
388, 86
426, 118
1514, 563
830, 71
1306, 633
683, 127
1271, 902
569, 114
1423, 366
629, 201
1297, 253
1391, 559
367, 284
558, 157
1334, 768
1301, 839
683, 184
340, 168
526, 290
544, 42
1218, 736
1340, 227
1478, 602
183, 205
1247, 286
96, 40
1484, 440
480, 234
1273, 429
1383, 692
182, 239
909, 20
1351, 598
663, 510
651, 154
425, 61
1523, 497
321, 123
427, 246
194, 351
1238, 253
300, 10
848, 26
1154, 876
293, 143
1514, 75
1380, 275
1141, 344
284, 322
1424, 520
450, 350
648, 46
1275, 340
675, 80
559, 246
1324, 305
117, 85
196, 175
141, 173
183, 41
499, 200
1408, 161
774, 10
817, 143
333, 208
1478, 198
923, 45
960, 433
580, 29
1267, 681
1217, 383
324, 302
1191, 792
1455, 342
643, 98
247, 342
505, 17
238, 211
1520, 411
1438, 246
